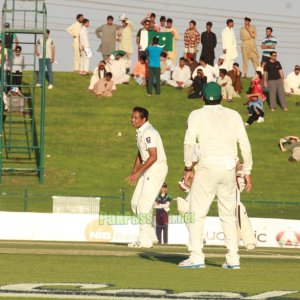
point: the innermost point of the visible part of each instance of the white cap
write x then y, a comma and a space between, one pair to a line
122, 17
15, 90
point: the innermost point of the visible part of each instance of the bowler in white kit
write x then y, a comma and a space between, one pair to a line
149, 172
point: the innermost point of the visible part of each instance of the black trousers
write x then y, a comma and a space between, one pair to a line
254, 117
162, 221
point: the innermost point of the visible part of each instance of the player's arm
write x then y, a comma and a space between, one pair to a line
137, 164
140, 168
189, 149
281, 141
246, 154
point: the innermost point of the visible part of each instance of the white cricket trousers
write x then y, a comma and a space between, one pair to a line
212, 180
143, 198
76, 49
84, 62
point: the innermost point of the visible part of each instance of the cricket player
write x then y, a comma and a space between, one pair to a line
149, 172
218, 131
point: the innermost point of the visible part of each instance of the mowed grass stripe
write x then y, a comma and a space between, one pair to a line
50, 248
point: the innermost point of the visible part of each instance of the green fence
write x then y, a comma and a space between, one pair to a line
29, 199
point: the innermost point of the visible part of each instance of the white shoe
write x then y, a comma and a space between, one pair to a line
227, 266
246, 124
38, 85
260, 120
190, 265
138, 245
50, 87
250, 247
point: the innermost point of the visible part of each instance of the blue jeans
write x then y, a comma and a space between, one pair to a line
49, 70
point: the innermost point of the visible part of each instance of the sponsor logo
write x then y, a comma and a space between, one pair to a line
99, 291
288, 238
95, 232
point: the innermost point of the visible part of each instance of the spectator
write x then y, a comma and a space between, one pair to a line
18, 65
268, 45
125, 38
104, 86
191, 40
274, 81
291, 143
229, 44
99, 73
248, 47
50, 55
154, 53
162, 205
169, 28
162, 24
117, 66
9, 38
209, 43
208, 70
227, 89
255, 108
85, 50
220, 65
192, 64
142, 39
74, 31
151, 19
198, 83
140, 72
235, 75
14, 101
181, 76
256, 85
108, 35
166, 67
292, 82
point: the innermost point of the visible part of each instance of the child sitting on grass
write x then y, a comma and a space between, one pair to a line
255, 108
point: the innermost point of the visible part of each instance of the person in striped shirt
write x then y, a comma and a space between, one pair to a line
268, 45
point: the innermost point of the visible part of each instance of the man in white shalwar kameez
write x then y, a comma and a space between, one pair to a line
117, 66
125, 38
292, 82
229, 44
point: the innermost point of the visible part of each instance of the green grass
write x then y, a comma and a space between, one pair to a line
88, 158
263, 270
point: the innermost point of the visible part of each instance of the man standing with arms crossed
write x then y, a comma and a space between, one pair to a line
149, 172
218, 130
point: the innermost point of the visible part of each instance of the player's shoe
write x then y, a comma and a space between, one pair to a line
138, 245
260, 120
227, 266
190, 265
250, 247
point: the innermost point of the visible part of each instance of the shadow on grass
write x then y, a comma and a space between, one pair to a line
172, 258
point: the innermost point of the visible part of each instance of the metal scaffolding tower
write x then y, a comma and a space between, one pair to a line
22, 103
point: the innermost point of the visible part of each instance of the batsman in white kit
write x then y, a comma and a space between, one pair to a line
218, 131
149, 172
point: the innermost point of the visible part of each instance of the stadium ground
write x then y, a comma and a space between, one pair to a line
42, 263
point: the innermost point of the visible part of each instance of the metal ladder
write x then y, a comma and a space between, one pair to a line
23, 114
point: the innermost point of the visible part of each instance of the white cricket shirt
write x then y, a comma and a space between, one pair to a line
219, 131
148, 137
